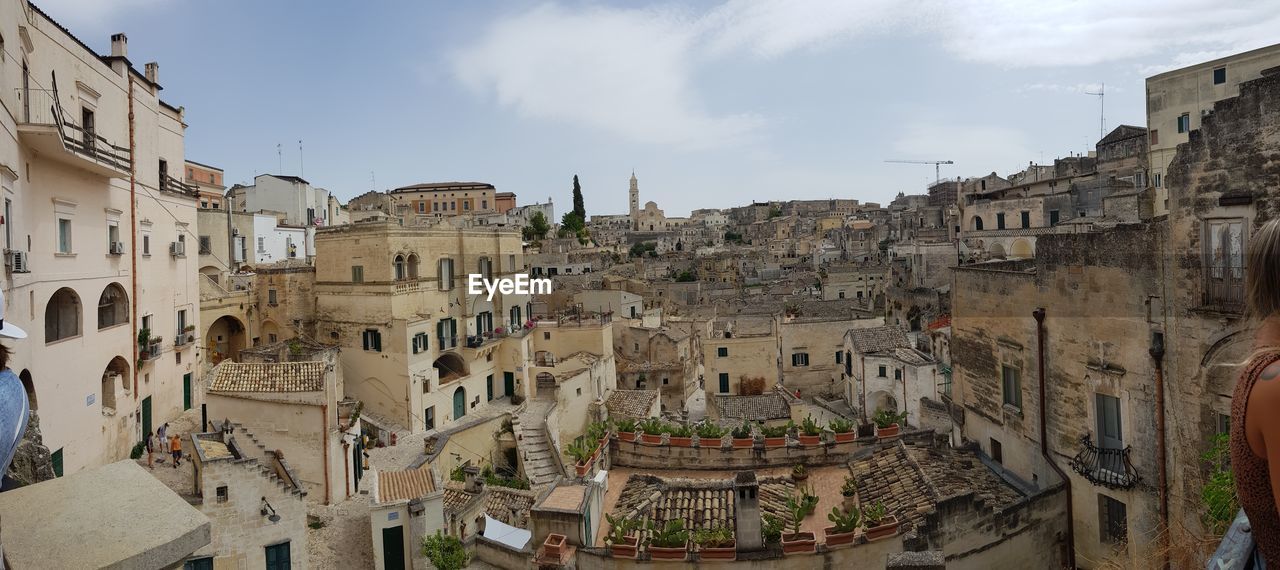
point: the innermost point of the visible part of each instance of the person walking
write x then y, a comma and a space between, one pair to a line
152, 444
175, 448
160, 433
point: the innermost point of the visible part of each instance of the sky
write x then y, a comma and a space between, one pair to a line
711, 104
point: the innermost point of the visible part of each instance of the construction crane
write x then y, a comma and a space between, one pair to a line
937, 166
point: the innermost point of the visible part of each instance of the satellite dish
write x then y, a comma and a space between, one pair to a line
274, 518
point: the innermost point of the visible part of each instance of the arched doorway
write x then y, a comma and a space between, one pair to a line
449, 367
116, 374
29, 385
459, 402
1021, 248
881, 400
996, 251
225, 339
270, 333
212, 272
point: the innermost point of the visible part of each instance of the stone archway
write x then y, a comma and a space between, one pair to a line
996, 251
881, 400
116, 373
1021, 248
225, 338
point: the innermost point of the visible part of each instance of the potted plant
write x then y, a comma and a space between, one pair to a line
188, 328
581, 452
499, 331
878, 521
710, 435
598, 432
742, 436
671, 542
887, 422
716, 544
850, 492
653, 429
771, 528
844, 527
843, 429
799, 473
680, 435
808, 500
622, 539
553, 545
810, 433
627, 430
796, 542
775, 436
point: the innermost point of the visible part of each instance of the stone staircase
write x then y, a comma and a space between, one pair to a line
537, 454
255, 452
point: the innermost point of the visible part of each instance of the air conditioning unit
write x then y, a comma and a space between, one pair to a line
116, 248
16, 261
177, 248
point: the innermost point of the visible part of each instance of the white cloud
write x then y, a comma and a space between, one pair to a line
626, 72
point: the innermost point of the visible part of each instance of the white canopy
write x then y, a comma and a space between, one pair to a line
499, 531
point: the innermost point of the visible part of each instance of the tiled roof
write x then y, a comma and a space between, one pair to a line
911, 356
889, 476
404, 485
499, 502
956, 472
269, 377
940, 322
700, 503
455, 498
565, 498
759, 408
876, 339
631, 403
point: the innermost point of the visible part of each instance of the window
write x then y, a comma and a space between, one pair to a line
840, 294
1053, 217
182, 320
357, 274
800, 359
206, 245
546, 335
113, 306
1224, 423
204, 204
397, 266
271, 297
64, 235
262, 244
1012, 387
484, 204
1155, 137
205, 563
1157, 180
445, 273
724, 382
1220, 76
62, 315
839, 357
1112, 520
216, 205
466, 204
488, 388
8, 213
722, 351
511, 262
1000, 221
372, 340
1026, 219
485, 268
997, 451
884, 372
422, 207
665, 380
435, 206
429, 418
311, 216
1224, 263
222, 494
1184, 122
1109, 434
447, 332
278, 557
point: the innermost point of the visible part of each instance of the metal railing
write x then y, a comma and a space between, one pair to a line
171, 184
42, 107
1237, 551
1108, 467
1224, 288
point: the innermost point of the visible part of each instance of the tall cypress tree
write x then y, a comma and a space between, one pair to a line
578, 207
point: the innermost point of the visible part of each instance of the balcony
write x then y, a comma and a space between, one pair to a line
1224, 289
47, 128
171, 184
1103, 466
1236, 551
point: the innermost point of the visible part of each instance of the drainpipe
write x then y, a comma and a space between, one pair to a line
133, 249
1157, 359
863, 404
324, 428
1044, 440
346, 469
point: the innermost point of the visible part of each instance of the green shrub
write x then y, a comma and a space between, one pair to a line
846, 521
620, 528
886, 417
1219, 491
774, 431
138, 449
673, 535
840, 425
710, 431
875, 514
457, 474
743, 431
810, 427
627, 426
772, 527
714, 537
445, 552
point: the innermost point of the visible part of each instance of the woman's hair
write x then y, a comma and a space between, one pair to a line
1262, 271
5, 353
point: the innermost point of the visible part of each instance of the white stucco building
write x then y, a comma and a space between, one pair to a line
300, 203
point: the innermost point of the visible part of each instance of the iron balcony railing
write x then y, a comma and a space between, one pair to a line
42, 107
1224, 288
1108, 467
171, 184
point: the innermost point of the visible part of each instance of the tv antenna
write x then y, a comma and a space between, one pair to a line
1101, 94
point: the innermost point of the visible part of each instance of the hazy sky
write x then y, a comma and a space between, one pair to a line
712, 104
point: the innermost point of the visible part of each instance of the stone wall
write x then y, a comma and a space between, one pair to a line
1029, 534
240, 532
638, 455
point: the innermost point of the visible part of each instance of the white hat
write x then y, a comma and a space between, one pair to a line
9, 330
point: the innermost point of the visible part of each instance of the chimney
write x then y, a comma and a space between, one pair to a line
119, 45
153, 72
750, 534
472, 484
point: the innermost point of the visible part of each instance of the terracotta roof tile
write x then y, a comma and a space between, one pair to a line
700, 503
759, 408
404, 485
876, 339
631, 403
269, 377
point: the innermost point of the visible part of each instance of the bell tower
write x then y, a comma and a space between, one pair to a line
635, 201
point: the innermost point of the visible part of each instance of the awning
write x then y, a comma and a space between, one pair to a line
506, 534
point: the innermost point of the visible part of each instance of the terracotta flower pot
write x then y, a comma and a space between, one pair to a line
651, 439
799, 543
772, 442
553, 545
625, 549
890, 431
846, 437
887, 527
849, 502
627, 436
663, 553
719, 553
681, 441
808, 440
582, 468
835, 539
743, 443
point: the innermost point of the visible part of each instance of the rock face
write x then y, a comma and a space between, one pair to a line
31, 462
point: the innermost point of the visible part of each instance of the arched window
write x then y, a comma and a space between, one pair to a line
62, 315
412, 262
113, 306
977, 223
398, 264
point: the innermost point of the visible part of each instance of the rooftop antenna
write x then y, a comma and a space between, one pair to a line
937, 166
302, 169
373, 181
1101, 94
280, 158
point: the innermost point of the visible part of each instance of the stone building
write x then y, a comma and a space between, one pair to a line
740, 356
406, 506
209, 184
659, 358
98, 239
442, 199
884, 371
